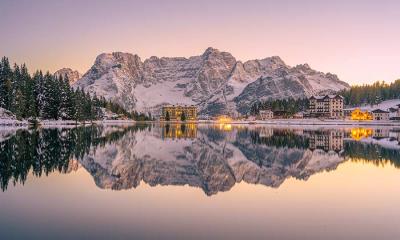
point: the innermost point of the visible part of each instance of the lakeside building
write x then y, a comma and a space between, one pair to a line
359, 115
175, 112
328, 106
394, 113
266, 114
299, 115
380, 115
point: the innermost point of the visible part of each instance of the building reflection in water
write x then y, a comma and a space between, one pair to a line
381, 133
360, 133
227, 127
327, 140
179, 131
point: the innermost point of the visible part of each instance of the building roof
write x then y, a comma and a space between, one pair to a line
379, 111
178, 105
266, 110
320, 97
393, 109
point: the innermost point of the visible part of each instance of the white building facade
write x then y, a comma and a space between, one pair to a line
380, 115
266, 114
328, 106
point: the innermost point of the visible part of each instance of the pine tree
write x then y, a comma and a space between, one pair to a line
79, 105
38, 82
6, 75
30, 109
51, 97
67, 110
18, 98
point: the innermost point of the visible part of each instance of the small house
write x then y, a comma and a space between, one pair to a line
380, 115
266, 114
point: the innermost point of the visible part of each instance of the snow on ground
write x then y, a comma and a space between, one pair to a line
7, 118
5, 114
384, 142
157, 94
238, 87
319, 83
385, 105
7, 131
314, 121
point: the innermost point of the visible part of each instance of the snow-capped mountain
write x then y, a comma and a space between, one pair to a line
214, 81
72, 75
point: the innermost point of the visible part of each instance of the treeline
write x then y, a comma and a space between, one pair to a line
290, 106
371, 93
45, 96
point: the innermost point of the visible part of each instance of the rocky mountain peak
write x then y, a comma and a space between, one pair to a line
72, 75
214, 81
209, 51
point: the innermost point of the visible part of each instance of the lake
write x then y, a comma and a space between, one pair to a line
189, 181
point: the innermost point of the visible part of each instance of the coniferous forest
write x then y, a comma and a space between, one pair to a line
290, 106
371, 93
44, 96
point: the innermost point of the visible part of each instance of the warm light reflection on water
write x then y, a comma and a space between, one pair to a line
359, 133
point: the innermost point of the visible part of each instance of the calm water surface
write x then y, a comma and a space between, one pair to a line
200, 182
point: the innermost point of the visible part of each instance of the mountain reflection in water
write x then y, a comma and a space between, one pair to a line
211, 157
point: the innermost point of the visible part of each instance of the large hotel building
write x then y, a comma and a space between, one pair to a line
329, 106
175, 113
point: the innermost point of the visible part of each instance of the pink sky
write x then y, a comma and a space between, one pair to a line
357, 40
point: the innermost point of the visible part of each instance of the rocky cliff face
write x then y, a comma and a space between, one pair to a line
72, 75
214, 81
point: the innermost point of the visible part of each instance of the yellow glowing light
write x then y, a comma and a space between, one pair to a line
359, 115
225, 126
224, 119
359, 133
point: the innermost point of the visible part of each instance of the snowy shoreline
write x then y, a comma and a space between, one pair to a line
278, 122
320, 122
24, 123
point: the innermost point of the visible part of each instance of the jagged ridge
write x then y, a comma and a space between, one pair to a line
215, 81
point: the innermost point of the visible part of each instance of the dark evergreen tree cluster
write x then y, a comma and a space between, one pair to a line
281, 139
371, 93
141, 116
290, 106
374, 153
45, 96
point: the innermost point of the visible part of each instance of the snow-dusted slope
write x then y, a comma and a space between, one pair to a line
385, 105
211, 81
72, 75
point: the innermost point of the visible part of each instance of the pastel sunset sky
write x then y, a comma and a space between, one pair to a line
357, 40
